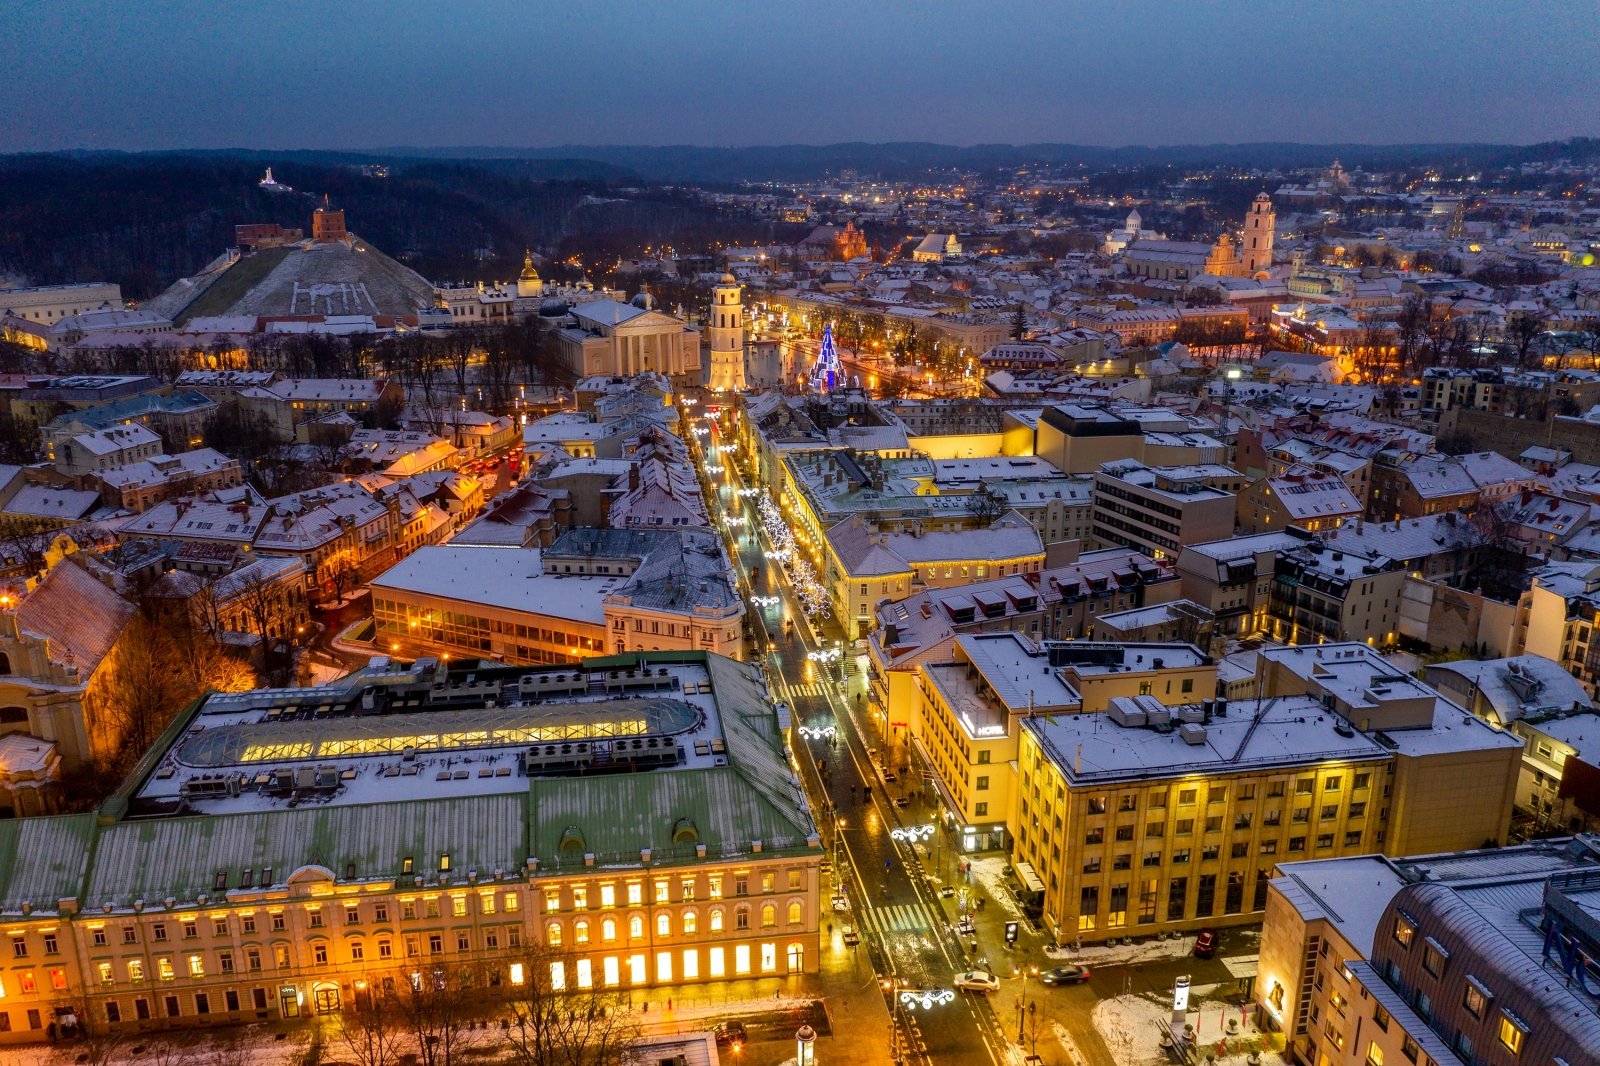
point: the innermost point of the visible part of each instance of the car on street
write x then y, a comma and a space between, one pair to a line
731, 1035
890, 777
1065, 975
1205, 944
840, 903
903, 802
977, 981
964, 927
848, 932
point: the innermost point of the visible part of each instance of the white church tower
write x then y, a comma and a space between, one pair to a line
725, 337
1257, 244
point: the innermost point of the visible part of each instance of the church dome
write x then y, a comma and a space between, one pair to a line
553, 308
644, 301
528, 272
728, 279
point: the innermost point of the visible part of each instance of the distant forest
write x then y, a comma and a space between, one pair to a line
145, 220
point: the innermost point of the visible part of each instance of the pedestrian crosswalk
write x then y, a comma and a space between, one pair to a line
895, 918
816, 690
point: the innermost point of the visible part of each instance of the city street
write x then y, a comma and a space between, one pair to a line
906, 935
906, 929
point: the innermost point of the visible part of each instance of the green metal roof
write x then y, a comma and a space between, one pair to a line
180, 857
42, 860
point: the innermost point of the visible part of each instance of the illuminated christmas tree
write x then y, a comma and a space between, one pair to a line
826, 374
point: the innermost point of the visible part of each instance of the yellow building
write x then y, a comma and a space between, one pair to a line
286, 852
1150, 818
970, 706
863, 565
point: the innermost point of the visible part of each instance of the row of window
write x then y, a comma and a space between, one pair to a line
1477, 998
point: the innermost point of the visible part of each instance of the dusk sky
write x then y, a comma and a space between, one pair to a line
202, 74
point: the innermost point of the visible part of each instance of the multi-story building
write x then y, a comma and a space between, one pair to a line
1303, 497
1159, 510
49, 304
1152, 817
967, 715
862, 566
1548, 708
1324, 591
1061, 603
59, 646
592, 590
1558, 617
628, 823
140, 485
106, 449
1469, 958
1233, 578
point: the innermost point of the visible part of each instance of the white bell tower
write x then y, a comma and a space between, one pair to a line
1258, 227
725, 337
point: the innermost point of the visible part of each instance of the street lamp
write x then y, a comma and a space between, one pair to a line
805, 1039
1022, 1003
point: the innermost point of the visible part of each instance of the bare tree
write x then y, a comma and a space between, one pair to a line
433, 1005
144, 687
87, 1041
372, 1031
554, 1023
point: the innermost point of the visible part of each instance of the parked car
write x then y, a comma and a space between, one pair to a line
1205, 945
850, 935
1065, 975
840, 903
964, 926
977, 981
890, 777
903, 802
731, 1035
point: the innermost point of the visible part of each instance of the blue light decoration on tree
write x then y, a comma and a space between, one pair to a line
825, 374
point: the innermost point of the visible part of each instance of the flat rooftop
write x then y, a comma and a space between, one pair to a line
1287, 731
510, 579
434, 731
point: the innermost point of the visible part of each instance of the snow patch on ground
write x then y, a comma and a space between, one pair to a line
989, 874
1069, 1045
1131, 1027
1094, 955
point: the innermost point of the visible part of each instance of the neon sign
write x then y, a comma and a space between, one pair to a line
1576, 962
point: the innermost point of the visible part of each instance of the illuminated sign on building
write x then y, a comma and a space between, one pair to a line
1574, 956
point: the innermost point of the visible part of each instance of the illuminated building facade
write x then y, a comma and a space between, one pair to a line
1483, 957
631, 823
1152, 818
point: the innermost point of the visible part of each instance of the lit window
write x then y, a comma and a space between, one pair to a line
1512, 1032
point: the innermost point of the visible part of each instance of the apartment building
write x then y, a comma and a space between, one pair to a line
1233, 578
1153, 818
1306, 498
863, 566
1158, 510
1559, 617
1324, 591
1466, 958
1062, 602
282, 853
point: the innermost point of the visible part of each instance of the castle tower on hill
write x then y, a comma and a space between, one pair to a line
725, 337
1258, 227
327, 224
